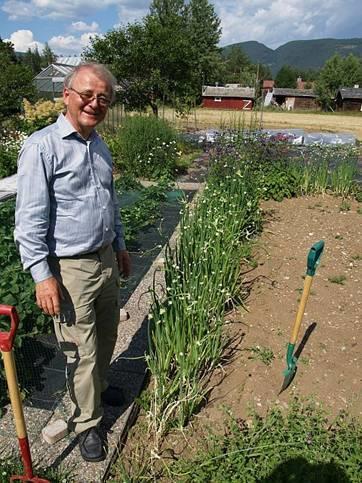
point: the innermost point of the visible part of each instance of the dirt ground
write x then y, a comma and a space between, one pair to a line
310, 122
329, 366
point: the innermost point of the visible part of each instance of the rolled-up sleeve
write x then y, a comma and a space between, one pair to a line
32, 210
118, 242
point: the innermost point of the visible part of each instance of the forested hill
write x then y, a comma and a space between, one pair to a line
306, 54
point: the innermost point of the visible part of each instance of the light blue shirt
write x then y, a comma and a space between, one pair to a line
66, 204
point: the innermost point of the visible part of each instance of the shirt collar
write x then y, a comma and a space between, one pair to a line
66, 129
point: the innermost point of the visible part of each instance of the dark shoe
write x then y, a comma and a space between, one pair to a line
91, 445
112, 396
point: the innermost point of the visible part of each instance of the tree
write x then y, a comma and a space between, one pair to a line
33, 60
166, 57
287, 77
204, 35
337, 72
238, 68
47, 56
16, 81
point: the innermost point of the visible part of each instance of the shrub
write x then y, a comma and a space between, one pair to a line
145, 146
41, 114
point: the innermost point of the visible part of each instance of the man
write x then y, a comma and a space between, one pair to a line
70, 237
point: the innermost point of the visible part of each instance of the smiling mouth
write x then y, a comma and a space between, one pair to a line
92, 114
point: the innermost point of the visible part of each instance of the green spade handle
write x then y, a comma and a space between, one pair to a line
314, 257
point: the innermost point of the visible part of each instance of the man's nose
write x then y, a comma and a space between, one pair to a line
94, 102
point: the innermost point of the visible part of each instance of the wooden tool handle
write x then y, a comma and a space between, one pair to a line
306, 290
14, 393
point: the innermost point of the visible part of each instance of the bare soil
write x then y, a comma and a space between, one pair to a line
309, 121
329, 366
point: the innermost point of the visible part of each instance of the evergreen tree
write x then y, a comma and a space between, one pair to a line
287, 77
47, 56
33, 60
205, 32
238, 68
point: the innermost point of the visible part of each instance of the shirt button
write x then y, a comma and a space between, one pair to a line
107, 229
104, 207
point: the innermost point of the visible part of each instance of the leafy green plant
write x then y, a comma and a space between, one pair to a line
338, 279
144, 146
17, 288
279, 182
358, 194
261, 353
299, 446
143, 213
341, 178
344, 206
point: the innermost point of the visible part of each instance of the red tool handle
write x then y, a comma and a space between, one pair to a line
7, 338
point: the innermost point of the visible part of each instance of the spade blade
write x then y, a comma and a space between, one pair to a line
288, 379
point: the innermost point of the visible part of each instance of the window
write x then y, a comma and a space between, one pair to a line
217, 99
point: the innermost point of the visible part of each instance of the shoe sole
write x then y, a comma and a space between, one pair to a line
94, 460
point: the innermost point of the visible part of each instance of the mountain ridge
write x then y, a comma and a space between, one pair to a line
303, 54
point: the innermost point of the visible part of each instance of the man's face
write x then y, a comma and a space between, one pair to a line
82, 113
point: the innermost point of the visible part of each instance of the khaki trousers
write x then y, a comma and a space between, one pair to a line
86, 329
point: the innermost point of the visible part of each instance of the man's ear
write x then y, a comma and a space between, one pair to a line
65, 96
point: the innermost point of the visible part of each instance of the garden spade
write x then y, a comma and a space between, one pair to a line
6, 348
313, 260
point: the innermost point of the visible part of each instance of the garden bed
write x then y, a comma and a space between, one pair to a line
329, 366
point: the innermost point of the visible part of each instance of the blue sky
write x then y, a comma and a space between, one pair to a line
67, 25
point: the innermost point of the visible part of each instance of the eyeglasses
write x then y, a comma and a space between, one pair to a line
88, 97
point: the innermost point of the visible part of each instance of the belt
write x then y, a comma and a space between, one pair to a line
85, 255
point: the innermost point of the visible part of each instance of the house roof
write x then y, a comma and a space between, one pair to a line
350, 92
294, 92
218, 91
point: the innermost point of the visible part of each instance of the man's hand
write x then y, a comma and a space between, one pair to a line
48, 294
124, 263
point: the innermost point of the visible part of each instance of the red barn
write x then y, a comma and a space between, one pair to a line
230, 96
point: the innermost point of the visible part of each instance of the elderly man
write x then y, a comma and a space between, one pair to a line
70, 237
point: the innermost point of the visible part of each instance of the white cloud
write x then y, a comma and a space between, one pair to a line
69, 44
55, 9
275, 22
130, 11
81, 26
24, 40
272, 22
